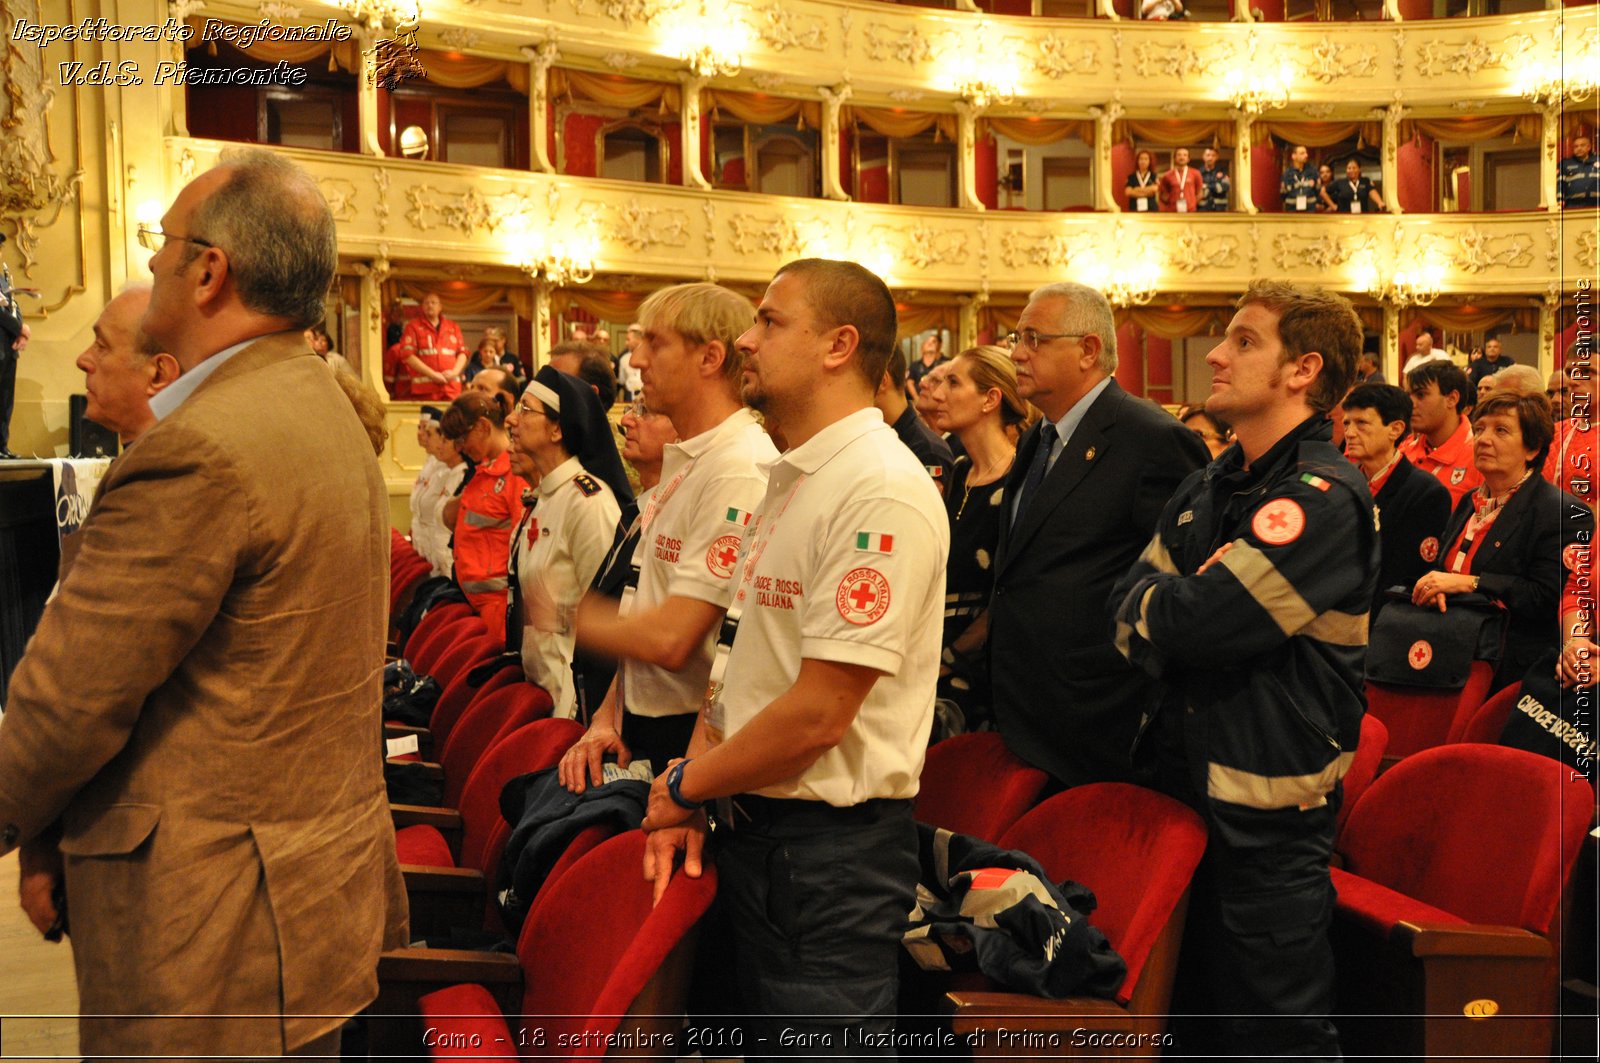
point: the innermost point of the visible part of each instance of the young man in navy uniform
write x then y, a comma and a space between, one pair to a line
1578, 176
1250, 605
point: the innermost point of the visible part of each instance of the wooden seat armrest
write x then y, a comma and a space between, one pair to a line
430, 770
424, 736
420, 877
446, 819
1025, 1008
448, 967
1456, 939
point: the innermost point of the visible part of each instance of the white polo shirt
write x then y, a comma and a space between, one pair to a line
689, 543
562, 546
436, 484
845, 562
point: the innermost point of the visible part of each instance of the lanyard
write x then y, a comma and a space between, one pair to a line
660, 497
761, 534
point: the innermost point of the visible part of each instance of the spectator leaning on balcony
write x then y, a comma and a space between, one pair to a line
1214, 182
1354, 194
433, 352
1299, 184
1324, 180
1578, 176
1180, 186
1141, 184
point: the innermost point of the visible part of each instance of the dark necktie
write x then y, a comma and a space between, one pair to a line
1036, 470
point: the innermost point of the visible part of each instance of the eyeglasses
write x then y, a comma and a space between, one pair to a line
153, 239
637, 410
1031, 338
524, 408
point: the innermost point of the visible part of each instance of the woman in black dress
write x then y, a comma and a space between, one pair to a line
977, 400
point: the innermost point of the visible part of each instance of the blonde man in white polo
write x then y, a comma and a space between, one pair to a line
690, 529
822, 690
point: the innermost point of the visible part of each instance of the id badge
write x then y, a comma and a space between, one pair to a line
1141, 204
1355, 206
1300, 201
711, 709
1183, 204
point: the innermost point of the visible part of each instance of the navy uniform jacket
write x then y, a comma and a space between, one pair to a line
1578, 181
1296, 183
1064, 699
1262, 654
1214, 186
1412, 510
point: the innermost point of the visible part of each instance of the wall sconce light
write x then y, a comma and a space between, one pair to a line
556, 263
1416, 287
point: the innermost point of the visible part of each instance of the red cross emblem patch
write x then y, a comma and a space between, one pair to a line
863, 596
721, 556
1279, 522
1575, 557
1456, 476
1421, 654
1429, 548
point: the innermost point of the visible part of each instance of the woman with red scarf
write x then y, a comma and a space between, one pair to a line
1505, 539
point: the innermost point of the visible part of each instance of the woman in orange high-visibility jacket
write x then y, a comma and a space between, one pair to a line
489, 506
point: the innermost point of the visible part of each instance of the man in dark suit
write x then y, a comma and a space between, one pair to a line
1083, 496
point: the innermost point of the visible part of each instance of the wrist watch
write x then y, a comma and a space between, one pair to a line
675, 780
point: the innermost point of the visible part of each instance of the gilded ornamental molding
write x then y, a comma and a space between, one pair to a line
457, 215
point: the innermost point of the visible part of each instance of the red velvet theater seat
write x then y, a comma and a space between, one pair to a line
1421, 719
972, 784
1487, 723
1449, 898
1364, 766
460, 897
433, 619
589, 969
425, 648
1137, 850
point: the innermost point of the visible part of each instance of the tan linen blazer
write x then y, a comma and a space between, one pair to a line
199, 707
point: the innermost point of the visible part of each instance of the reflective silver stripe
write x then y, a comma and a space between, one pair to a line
1239, 787
483, 520
1339, 628
1294, 615
1268, 587
486, 586
1156, 556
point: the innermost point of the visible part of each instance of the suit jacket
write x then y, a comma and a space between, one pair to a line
199, 710
1065, 700
1412, 510
1520, 565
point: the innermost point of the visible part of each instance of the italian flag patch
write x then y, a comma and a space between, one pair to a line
874, 543
1315, 481
737, 516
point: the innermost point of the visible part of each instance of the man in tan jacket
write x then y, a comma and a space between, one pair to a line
194, 729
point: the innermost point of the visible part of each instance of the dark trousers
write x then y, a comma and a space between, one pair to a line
816, 899
658, 739
8, 389
1256, 975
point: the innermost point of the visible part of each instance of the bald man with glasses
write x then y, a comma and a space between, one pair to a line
1082, 498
